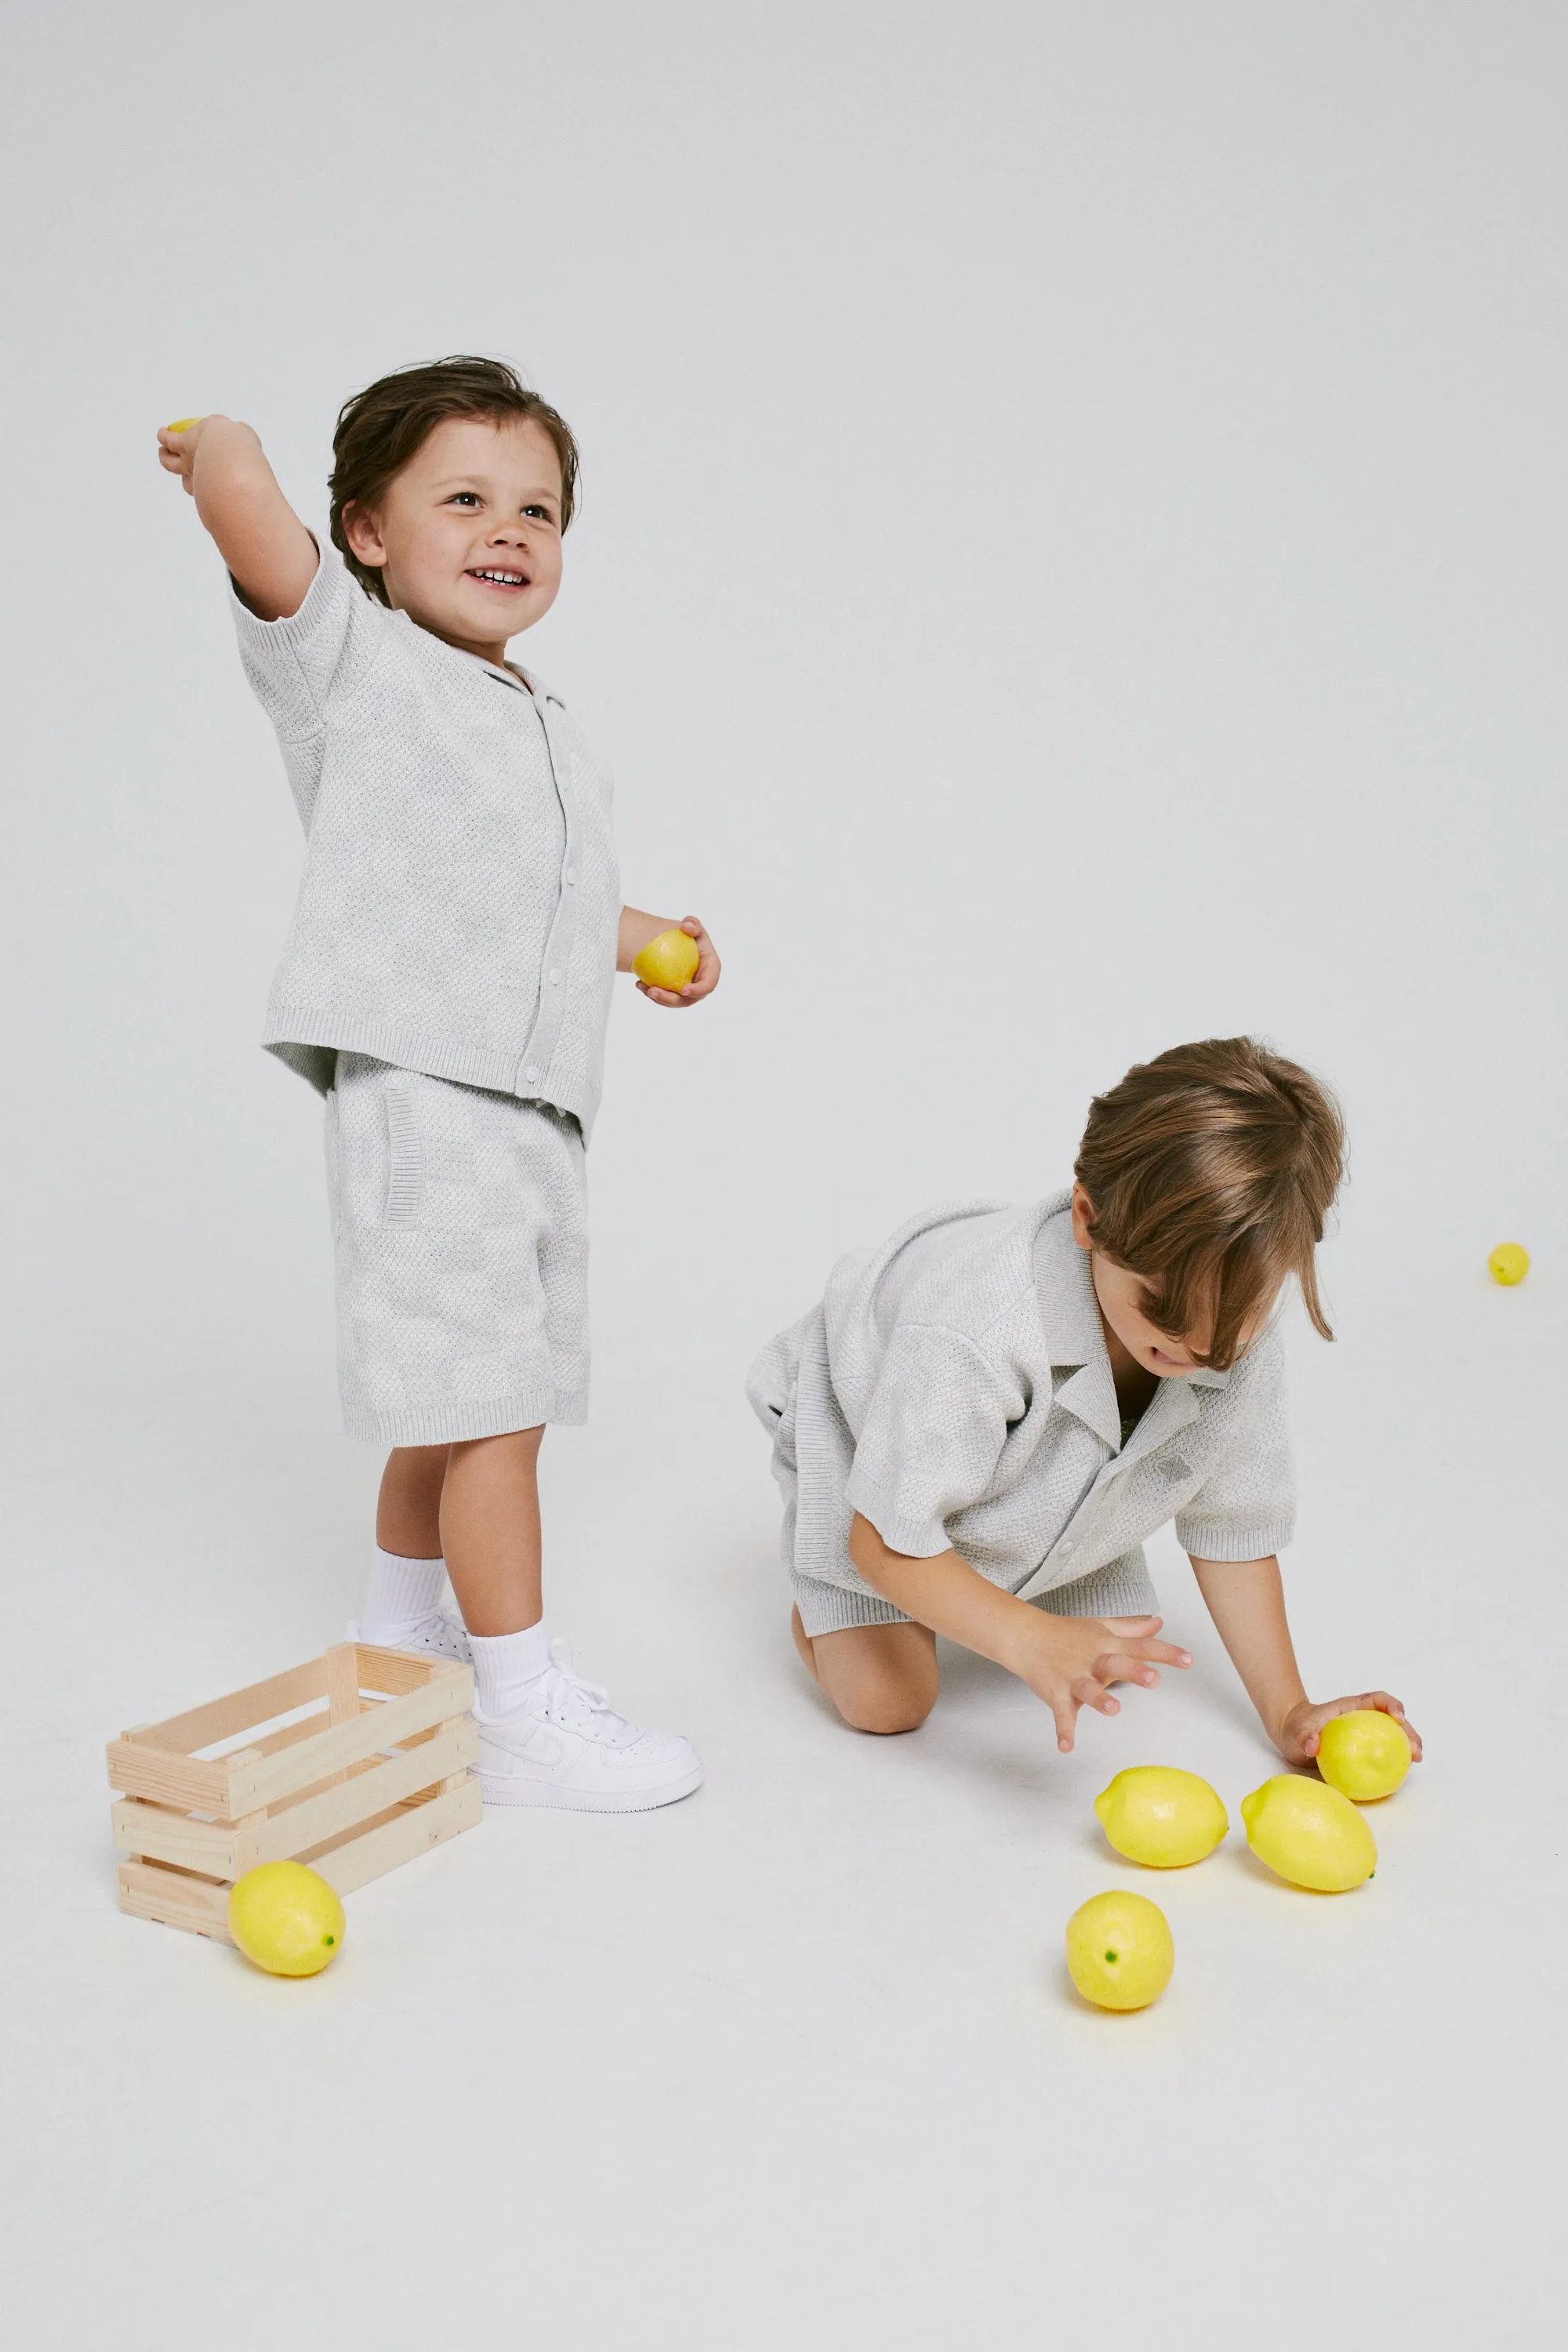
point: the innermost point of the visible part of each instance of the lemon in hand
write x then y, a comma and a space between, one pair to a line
1509, 1262
286, 1918
1119, 1953
1309, 1834
668, 962
182, 424
1365, 1755
1155, 1814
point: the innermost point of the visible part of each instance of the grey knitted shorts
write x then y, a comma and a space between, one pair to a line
459, 1222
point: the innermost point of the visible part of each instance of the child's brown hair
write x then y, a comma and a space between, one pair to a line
1210, 1171
381, 428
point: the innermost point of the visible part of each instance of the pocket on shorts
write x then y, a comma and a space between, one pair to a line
407, 1178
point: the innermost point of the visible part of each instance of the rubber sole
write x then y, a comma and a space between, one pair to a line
502, 1788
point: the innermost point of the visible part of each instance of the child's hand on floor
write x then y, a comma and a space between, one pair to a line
703, 980
1070, 1663
1297, 1739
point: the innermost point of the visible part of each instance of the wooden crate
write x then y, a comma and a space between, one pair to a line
373, 1773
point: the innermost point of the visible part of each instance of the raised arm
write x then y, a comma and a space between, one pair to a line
268, 550
1069, 1662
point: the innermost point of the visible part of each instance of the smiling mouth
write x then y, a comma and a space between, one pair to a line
498, 579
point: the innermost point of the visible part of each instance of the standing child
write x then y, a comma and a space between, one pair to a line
979, 1426
445, 985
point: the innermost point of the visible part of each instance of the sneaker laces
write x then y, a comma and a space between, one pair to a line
565, 1698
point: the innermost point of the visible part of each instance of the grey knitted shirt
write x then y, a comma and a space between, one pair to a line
460, 900
953, 1388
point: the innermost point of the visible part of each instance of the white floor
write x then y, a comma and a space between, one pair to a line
795, 2063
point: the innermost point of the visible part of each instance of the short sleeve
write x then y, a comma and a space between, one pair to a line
930, 1439
1246, 1506
299, 666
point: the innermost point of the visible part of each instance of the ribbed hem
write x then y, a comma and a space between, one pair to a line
308, 1039
1121, 1589
1224, 1543
833, 1607
451, 1424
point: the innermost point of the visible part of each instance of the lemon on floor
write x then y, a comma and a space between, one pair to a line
1365, 1755
1509, 1262
285, 1918
1309, 1834
668, 962
1119, 1953
1157, 1814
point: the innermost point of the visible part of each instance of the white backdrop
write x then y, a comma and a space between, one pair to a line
1071, 560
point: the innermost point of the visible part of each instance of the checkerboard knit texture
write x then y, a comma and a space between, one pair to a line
459, 1224
459, 905
953, 1388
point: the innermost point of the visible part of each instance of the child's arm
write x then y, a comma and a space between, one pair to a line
637, 929
270, 553
1069, 1662
1246, 1601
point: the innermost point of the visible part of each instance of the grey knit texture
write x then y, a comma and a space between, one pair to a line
460, 899
953, 1388
460, 1224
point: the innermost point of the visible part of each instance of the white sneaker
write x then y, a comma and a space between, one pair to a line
436, 1636
565, 1746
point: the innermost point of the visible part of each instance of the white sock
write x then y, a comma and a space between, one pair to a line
402, 1592
504, 1666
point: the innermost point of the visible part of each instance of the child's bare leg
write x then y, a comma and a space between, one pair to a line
490, 1530
408, 1508
881, 1677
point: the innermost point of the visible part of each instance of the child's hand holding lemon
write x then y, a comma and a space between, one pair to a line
177, 447
677, 965
1301, 1736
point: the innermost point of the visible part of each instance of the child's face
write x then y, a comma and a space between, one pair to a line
1120, 1294
468, 536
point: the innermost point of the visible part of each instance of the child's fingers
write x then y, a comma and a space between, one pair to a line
1160, 1654
1064, 1714
1089, 1691
1116, 1666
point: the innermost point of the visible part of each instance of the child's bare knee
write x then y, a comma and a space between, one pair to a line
886, 1703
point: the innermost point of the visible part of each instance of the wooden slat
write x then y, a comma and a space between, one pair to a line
269, 1779
209, 1847
394, 1672
167, 1780
411, 1831
149, 1892
343, 1701
223, 1719
296, 1830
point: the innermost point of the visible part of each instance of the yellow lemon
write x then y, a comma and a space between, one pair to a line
1119, 1953
1309, 1834
1365, 1755
182, 424
1509, 1262
1156, 1814
668, 962
286, 1918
